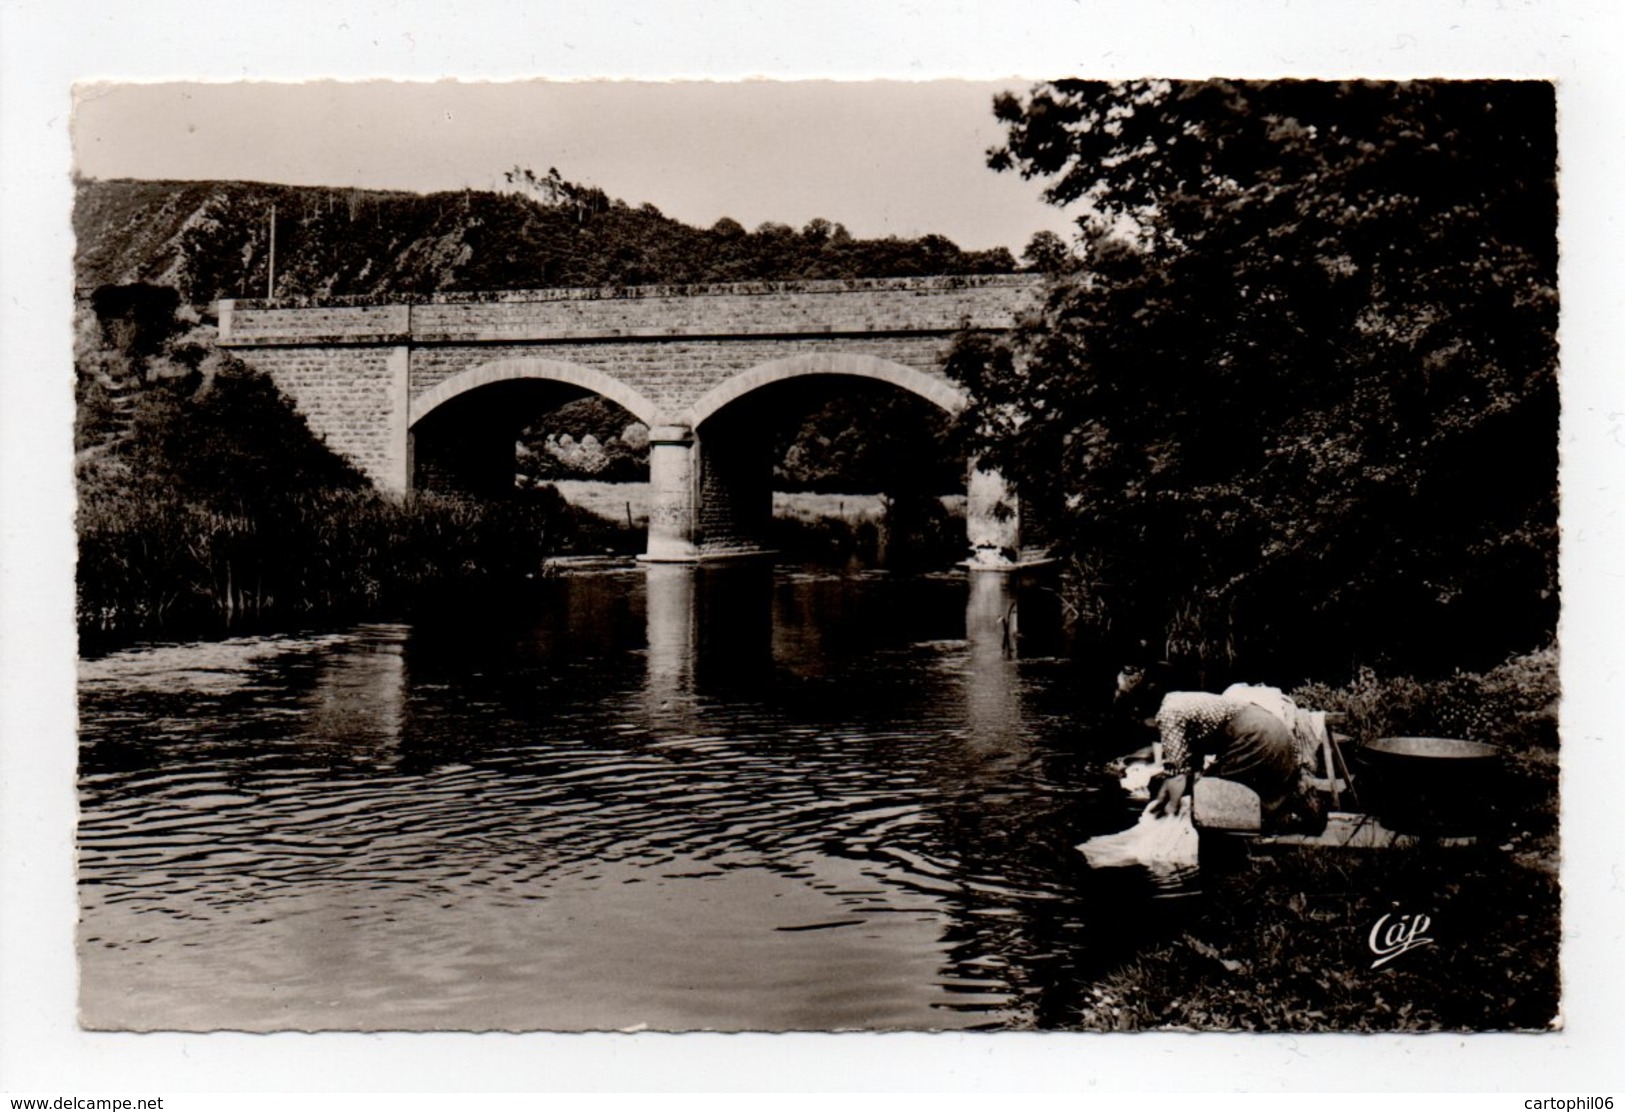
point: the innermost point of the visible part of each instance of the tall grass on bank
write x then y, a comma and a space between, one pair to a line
153, 561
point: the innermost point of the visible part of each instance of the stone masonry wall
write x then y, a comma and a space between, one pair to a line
676, 373
735, 474
249, 322
353, 399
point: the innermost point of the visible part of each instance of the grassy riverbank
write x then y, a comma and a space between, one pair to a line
1282, 938
1282, 944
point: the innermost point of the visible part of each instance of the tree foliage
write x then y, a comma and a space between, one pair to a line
590, 438
1301, 399
868, 438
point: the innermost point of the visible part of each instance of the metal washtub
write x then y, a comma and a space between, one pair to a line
1432, 785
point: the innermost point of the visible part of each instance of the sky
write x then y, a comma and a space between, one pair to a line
883, 157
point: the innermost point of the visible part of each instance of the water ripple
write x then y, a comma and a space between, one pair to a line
422, 827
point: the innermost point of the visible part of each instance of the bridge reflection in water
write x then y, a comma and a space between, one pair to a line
993, 706
717, 631
717, 797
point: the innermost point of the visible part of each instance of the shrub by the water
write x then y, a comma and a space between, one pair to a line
1513, 705
1318, 429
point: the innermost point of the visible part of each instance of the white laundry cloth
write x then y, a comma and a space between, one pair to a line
1161, 843
1137, 776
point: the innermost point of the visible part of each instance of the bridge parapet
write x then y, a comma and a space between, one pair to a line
737, 310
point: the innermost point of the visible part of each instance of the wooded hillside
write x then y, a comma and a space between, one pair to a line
210, 240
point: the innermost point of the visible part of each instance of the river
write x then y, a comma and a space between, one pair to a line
645, 798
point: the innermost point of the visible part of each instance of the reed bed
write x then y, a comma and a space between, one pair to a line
152, 561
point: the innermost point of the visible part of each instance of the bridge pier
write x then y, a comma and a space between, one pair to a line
708, 502
992, 522
673, 494
676, 489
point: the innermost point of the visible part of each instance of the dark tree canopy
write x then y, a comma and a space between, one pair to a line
865, 438
1302, 393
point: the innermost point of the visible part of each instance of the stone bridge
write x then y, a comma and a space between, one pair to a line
408, 387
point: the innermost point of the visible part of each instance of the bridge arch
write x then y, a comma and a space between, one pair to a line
349, 366
936, 389
551, 370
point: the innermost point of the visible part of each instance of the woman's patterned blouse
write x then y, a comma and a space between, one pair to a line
1189, 721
